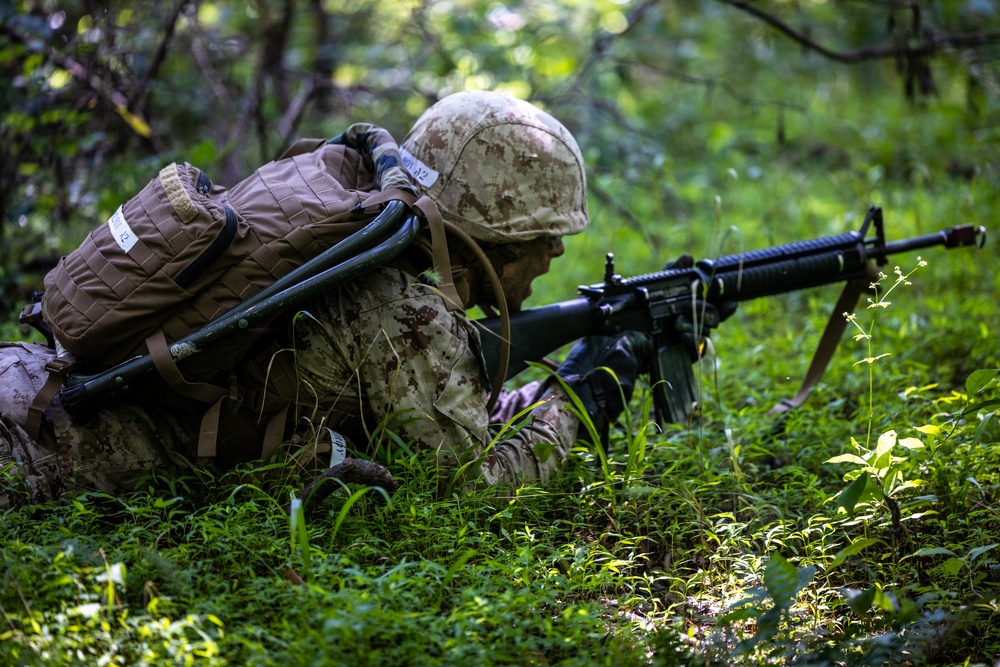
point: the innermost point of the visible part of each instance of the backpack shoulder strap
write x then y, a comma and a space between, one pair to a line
58, 368
428, 210
301, 147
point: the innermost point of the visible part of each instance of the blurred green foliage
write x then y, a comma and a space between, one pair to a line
96, 97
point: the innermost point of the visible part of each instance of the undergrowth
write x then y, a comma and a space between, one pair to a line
730, 541
860, 530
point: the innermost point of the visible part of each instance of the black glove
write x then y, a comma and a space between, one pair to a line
685, 261
695, 327
585, 370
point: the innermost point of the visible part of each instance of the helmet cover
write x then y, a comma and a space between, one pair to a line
499, 168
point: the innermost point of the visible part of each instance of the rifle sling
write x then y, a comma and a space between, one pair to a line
829, 340
273, 433
159, 352
428, 210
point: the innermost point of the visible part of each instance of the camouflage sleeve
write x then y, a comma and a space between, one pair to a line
121, 444
391, 342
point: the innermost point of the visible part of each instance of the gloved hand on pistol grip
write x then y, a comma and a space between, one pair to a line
694, 327
586, 368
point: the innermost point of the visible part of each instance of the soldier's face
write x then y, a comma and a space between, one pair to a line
516, 276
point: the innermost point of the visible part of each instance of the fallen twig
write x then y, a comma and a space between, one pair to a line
349, 471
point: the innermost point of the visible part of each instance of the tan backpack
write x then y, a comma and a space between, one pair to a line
183, 251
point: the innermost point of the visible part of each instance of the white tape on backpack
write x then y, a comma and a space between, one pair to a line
122, 233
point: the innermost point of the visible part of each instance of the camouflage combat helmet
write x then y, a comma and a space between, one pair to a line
498, 168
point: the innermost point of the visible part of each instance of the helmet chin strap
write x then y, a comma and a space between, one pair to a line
501, 302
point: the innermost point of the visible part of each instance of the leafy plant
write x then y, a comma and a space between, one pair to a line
770, 606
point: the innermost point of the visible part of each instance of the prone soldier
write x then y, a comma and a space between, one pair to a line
386, 351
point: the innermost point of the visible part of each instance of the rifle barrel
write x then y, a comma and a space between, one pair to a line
952, 237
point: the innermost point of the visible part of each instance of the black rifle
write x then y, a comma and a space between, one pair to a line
668, 303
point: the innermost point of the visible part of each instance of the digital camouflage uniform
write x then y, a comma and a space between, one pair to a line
504, 172
389, 344
383, 354
384, 351
115, 448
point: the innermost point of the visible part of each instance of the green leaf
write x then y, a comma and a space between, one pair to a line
767, 624
856, 548
543, 451
979, 551
780, 580
976, 407
847, 458
933, 551
884, 601
979, 379
859, 601
883, 450
354, 497
911, 443
804, 575
849, 497
953, 566
458, 565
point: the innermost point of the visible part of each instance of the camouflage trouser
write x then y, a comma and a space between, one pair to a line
116, 447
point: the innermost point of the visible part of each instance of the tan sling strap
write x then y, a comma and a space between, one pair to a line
829, 340
274, 433
439, 245
208, 436
442, 265
209, 430
57, 369
166, 366
491, 274
428, 210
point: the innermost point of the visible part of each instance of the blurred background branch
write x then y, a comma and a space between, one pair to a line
96, 97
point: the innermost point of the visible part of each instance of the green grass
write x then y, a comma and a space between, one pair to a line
728, 541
